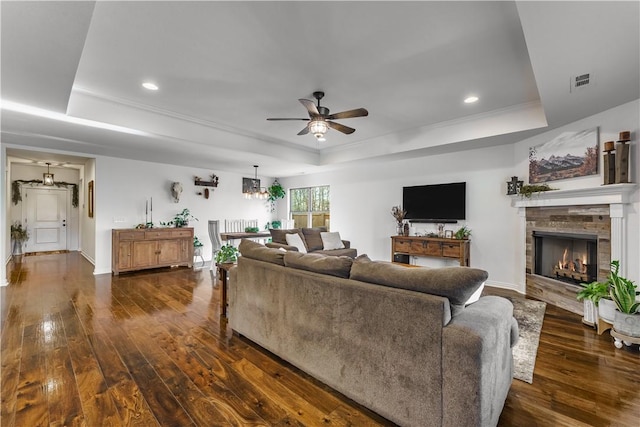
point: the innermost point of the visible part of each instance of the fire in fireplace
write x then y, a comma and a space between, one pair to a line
571, 258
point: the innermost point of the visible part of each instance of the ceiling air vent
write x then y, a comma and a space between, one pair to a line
581, 81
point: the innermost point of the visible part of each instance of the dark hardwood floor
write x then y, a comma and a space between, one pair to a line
149, 349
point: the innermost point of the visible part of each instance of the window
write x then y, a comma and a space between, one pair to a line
310, 207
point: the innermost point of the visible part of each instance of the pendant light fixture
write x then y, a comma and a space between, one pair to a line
47, 178
254, 191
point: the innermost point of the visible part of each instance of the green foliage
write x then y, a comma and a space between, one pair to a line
251, 229
181, 219
593, 291
528, 190
226, 254
276, 224
622, 291
196, 242
16, 196
276, 191
462, 233
18, 233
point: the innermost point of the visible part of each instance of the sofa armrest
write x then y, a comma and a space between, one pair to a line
280, 245
346, 243
477, 362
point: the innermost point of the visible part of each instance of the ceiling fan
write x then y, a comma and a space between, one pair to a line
320, 119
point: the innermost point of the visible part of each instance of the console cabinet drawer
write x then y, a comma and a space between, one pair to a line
432, 247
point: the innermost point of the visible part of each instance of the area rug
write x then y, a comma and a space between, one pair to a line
530, 315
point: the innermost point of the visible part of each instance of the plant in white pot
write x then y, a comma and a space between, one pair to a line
624, 294
592, 294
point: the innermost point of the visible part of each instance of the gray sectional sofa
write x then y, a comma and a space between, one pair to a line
312, 241
400, 341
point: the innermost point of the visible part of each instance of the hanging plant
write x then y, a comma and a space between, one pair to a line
16, 195
274, 192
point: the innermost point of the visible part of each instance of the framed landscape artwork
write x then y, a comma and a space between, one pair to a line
569, 155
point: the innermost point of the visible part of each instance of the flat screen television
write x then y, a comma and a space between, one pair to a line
435, 203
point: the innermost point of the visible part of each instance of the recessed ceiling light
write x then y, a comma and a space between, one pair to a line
150, 86
471, 99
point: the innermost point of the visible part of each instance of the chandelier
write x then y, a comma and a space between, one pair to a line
253, 190
47, 178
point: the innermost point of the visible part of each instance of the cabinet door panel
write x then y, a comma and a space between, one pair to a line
433, 249
401, 245
124, 255
170, 251
144, 253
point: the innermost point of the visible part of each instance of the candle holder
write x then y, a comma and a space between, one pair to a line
609, 163
622, 157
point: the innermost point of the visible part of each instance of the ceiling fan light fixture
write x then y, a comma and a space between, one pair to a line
318, 128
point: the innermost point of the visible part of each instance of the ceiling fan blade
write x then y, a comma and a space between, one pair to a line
358, 112
311, 107
286, 119
341, 128
304, 131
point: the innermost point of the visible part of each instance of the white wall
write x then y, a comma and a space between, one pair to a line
362, 197
87, 225
123, 186
5, 246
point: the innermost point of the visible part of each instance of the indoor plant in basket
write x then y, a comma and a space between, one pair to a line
624, 293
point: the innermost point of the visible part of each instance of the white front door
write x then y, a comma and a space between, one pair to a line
46, 219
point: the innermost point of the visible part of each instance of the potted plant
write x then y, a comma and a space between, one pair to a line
227, 254
19, 235
275, 192
399, 214
592, 293
623, 293
462, 233
182, 219
197, 246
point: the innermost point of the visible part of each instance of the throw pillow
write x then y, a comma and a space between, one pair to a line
331, 240
312, 238
279, 235
294, 239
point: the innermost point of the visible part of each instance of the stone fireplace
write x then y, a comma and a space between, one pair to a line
571, 238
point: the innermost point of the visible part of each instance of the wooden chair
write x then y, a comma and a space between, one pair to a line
216, 241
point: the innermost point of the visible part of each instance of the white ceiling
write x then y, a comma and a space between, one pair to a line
224, 67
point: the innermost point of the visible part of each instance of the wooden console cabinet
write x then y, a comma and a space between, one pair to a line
431, 246
139, 249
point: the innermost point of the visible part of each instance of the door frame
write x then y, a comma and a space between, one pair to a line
72, 227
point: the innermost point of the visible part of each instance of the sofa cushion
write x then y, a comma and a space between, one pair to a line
312, 238
294, 239
255, 250
279, 236
339, 266
331, 240
350, 252
455, 283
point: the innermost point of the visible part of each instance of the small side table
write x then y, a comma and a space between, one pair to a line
619, 339
223, 272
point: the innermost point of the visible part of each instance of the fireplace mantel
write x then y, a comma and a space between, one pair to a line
612, 194
616, 196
